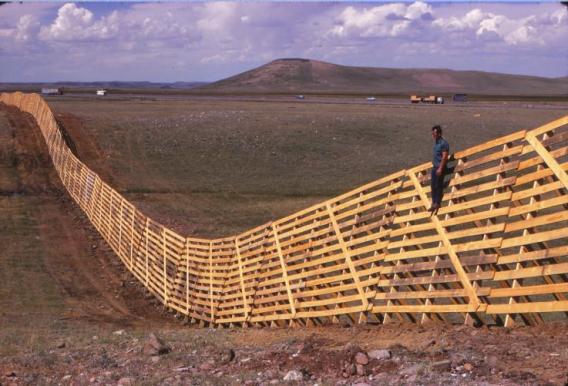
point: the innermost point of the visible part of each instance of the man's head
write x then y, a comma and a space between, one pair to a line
436, 132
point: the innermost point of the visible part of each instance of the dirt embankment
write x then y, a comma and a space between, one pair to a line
93, 282
83, 144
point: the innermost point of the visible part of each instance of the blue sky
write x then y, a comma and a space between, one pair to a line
207, 41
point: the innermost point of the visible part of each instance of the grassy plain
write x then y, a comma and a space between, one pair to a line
217, 166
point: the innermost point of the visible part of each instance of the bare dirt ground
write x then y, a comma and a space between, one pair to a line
70, 314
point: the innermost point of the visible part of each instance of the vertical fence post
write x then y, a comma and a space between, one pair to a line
284, 272
243, 289
120, 226
109, 223
133, 211
187, 276
164, 270
211, 282
146, 250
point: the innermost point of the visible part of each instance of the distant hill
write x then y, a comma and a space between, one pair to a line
303, 75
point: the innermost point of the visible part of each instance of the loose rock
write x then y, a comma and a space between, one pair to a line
468, 367
227, 355
379, 354
361, 358
155, 346
294, 375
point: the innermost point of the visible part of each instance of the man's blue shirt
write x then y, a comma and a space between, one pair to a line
440, 146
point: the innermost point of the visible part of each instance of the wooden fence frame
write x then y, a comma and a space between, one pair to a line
495, 252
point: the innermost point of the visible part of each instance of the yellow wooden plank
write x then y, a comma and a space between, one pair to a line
460, 180
547, 158
431, 308
284, 270
480, 188
531, 192
539, 271
490, 144
533, 255
529, 290
549, 126
508, 152
425, 252
242, 280
536, 237
488, 214
534, 206
432, 294
516, 308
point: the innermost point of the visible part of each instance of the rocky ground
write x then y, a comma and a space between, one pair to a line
373, 355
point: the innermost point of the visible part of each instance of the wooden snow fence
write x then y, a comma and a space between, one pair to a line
496, 251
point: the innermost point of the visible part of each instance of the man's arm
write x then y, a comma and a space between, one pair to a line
442, 163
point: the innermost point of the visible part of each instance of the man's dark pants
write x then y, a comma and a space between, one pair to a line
437, 185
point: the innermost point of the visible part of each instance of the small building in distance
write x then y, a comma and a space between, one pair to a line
51, 91
460, 98
101, 92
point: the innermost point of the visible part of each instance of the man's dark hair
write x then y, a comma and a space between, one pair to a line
437, 129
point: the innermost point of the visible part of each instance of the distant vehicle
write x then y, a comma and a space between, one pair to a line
52, 91
432, 99
101, 92
415, 99
460, 98
300, 97
371, 99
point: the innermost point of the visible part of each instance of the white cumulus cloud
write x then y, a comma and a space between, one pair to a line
513, 31
76, 23
388, 20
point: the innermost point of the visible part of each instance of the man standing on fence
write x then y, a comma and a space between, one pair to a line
440, 155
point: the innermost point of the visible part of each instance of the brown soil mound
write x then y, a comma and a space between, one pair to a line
95, 284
